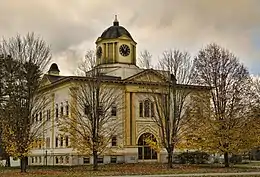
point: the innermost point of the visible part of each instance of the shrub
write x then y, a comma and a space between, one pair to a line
196, 157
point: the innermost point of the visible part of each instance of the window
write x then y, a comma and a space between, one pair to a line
67, 108
61, 141
40, 159
56, 141
61, 109
57, 160
48, 141
48, 114
100, 160
40, 144
36, 160
32, 159
86, 160
57, 112
113, 110
67, 141
61, 159
40, 116
141, 108
113, 159
100, 109
87, 109
67, 160
152, 109
146, 108
114, 141
36, 118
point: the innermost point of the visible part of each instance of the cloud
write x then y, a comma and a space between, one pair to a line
72, 26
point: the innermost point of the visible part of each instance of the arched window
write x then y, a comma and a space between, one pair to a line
145, 152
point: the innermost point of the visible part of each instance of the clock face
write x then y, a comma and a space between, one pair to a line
99, 52
124, 50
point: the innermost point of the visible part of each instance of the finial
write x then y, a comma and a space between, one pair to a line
116, 23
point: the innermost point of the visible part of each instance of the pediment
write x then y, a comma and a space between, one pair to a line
148, 75
45, 81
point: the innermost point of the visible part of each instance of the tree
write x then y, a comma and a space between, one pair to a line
171, 99
145, 60
230, 126
25, 60
96, 108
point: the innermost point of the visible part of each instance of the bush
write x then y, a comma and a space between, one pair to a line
235, 159
196, 157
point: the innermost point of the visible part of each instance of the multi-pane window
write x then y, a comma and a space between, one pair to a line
152, 109
86, 160
141, 108
61, 141
87, 109
61, 159
36, 118
113, 159
61, 109
56, 142
48, 114
146, 109
57, 112
100, 160
40, 116
67, 141
114, 141
113, 110
67, 108
48, 141
67, 160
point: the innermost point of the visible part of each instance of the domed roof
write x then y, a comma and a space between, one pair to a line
54, 67
115, 31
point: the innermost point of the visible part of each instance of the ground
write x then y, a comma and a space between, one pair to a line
122, 169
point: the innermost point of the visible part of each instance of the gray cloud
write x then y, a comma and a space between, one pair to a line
72, 26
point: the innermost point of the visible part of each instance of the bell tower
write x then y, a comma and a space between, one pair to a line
116, 45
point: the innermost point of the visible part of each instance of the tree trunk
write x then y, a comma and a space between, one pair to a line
226, 160
8, 163
95, 163
170, 159
23, 164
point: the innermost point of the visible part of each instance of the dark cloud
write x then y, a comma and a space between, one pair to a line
72, 26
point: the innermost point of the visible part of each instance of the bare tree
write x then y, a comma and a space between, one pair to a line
171, 99
145, 60
28, 57
96, 110
231, 101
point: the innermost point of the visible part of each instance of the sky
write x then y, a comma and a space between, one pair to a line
71, 27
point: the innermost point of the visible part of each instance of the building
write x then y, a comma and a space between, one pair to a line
116, 55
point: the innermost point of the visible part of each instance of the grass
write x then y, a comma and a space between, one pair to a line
120, 169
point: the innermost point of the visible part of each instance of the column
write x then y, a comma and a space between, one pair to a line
133, 119
127, 119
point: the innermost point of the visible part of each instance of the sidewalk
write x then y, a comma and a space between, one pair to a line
196, 174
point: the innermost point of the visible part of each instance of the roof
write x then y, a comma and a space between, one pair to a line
54, 67
115, 31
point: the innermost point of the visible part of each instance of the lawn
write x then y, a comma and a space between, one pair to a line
120, 169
